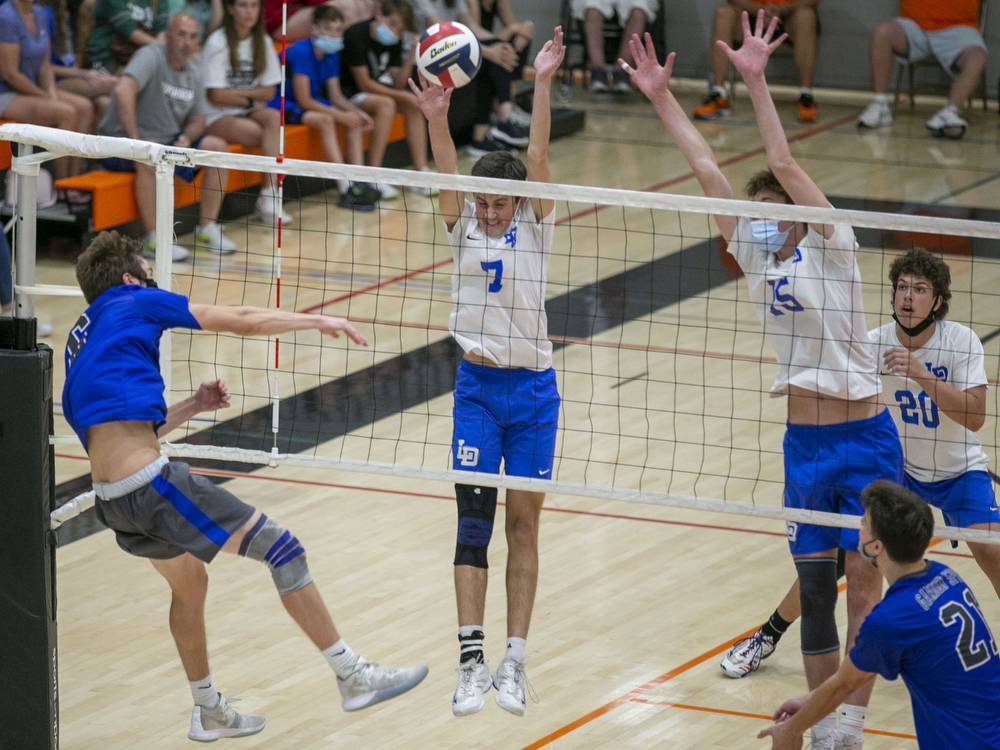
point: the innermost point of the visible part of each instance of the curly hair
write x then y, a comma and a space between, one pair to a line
102, 265
765, 180
919, 262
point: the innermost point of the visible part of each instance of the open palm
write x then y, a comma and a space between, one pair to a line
751, 58
651, 77
433, 100
550, 56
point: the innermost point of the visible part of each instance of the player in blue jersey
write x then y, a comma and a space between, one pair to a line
158, 509
928, 629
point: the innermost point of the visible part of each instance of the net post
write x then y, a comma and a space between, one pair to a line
24, 237
164, 256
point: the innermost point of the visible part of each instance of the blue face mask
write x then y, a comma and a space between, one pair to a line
765, 235
329, 45
384, 35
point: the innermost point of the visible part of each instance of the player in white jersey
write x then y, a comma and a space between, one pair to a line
506, 401
806, 290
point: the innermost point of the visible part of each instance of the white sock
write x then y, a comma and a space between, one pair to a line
515, 649
805, 91
882, 98
205, 693
720, 90
852, 719
344, 185
341, 659
828, 723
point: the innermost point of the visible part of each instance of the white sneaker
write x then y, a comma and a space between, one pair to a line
371, 683
521, 117
149, 249
820, 738
386, 192
746, 655
222, 721
267, 208
875, 115
211, 236
947, 124
473, 681
43, 330
510, 681
847, 741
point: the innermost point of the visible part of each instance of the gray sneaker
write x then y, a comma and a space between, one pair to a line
222, 721
371, 683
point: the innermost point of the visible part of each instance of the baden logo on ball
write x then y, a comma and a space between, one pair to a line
449, 55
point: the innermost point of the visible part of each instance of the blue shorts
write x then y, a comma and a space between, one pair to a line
509, 414
115, 164
827, 467
964, 500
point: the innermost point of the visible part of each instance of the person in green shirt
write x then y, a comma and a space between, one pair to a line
120, 28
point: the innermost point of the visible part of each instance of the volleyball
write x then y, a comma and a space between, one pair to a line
449, 55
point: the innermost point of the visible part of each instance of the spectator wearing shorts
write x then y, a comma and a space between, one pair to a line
633, 15
797, 18
948, 31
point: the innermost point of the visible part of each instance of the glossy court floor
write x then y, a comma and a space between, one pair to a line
664, 376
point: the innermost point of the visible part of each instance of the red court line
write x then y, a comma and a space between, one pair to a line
951, 554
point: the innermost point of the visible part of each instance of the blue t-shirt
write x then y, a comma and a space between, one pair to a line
113, 357
34, 49
301, 59
930, 630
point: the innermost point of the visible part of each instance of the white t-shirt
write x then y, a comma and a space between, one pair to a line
811, 310
498, 286
218, 74
935, 447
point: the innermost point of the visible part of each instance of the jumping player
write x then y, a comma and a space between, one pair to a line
113, 400
929, 629
506, 402
806, 289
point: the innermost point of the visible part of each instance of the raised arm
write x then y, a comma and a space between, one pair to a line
256, 321
211, 396
750, 60
434, 102
547, 62
653, 79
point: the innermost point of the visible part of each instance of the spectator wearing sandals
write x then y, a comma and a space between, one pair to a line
516, 33
120, 28
28, 90
299, 15
240, 70
946, 29
160, 97
493, 81
797, 18
633, 15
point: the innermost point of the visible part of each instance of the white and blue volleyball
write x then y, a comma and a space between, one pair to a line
449, 55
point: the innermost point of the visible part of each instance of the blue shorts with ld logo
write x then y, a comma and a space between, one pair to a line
509, 414
964, 500
827, 467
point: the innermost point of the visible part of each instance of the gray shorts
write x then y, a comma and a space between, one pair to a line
945, 45
5, 99
163, 511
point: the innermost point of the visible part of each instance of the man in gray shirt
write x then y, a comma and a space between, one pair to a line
160, 97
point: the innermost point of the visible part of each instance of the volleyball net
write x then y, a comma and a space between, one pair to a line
662, 364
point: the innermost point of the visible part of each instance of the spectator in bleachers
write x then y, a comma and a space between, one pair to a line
493, 82
796, 17
314, 98
633, 16
120, 28
946, 29
299, 15
161, 98
240, 70
517, 34
208, 13
28, 90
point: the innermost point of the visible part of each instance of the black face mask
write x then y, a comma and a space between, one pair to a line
920, 327
151, 284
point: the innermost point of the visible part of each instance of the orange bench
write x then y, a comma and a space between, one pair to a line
114, 196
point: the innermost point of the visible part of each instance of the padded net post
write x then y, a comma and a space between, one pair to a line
24, 233
164, 252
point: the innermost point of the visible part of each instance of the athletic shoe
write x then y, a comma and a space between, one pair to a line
875, 115
360, 197
211, 236
947, 124
488, 145
521, 117
509, 680
149, 249
820, 738
746, 655
620, 81
599, 79
473, 681
222, 721
847, 741
267, 208
386, 192
371, 683
715, 106
807, 108
510, 133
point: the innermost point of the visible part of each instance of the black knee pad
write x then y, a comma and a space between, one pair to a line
841, 563
477, 507
818, 597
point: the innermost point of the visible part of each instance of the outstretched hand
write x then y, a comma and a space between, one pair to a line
433, 100
211, 396
751, 58
550, 56
332, 326
651, 77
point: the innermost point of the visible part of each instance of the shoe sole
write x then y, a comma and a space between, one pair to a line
213, 248
378, 696
362, 209
482, 703
943, 132
510, 141
864, 126
272, 220
218, 734
516, 710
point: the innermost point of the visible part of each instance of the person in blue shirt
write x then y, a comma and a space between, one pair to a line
929, 629
113, 400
